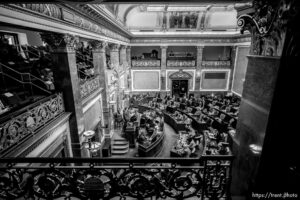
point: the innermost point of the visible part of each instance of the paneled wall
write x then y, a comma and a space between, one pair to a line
214, 80
240, 70
145, 80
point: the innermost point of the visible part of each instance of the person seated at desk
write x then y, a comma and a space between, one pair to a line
190, 147
179, 117
198, 112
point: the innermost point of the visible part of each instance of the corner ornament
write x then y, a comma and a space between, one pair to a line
267, 25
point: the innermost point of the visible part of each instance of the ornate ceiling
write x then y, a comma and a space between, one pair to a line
176, 19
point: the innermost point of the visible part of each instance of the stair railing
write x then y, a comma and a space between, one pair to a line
23, 78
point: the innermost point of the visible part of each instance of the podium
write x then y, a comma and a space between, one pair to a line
130, 135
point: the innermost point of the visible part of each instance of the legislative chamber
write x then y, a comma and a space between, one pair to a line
148, 100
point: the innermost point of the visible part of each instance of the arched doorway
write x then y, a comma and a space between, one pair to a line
180, 83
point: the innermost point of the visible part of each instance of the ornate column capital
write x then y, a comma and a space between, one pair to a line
60, 41
123, 47
200, 47
98, 45
267, 24
114, 47
128, 48
163, 47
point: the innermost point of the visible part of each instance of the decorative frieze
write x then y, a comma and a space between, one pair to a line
225, 63
59, 12
29, 122
98, 45
181, 63
89, 86
145, 63
57, 40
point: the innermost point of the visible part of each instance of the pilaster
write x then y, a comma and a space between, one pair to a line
66, 80
163, 67
233, 61
99, 61
198, 67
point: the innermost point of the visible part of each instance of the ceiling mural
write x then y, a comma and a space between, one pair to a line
172, 17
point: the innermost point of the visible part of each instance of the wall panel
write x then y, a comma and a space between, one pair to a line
240, 70
145, 80
214, 80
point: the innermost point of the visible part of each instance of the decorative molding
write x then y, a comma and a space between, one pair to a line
226, 63
15, 130
60, 13
181, 63
114, 47
201, 41
57, 40
98, 45
267, 25
89, 86
180, 75
145, 63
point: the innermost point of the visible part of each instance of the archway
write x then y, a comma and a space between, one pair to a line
180, 83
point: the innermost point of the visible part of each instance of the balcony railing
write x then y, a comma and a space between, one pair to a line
181, 63
88, 86
145, 63
219, 63
207, 177
24, 123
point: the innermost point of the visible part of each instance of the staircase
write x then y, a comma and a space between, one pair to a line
120, 147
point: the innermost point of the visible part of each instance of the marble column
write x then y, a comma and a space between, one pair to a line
124, 65
123, 57
254, 111
66, 80
115, 65
99, 61
198, 67
232, 60
163, 66
128, 56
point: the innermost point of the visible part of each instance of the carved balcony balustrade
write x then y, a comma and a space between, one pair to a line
22, 124
145, 63
181, 63
207, 177
217, 63
89, 86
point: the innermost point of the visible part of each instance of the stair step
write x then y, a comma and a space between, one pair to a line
119, 152
120, 142
125, 147
119, 139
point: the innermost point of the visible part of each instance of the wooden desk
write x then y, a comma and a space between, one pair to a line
130, 135
177, 126
154, 148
